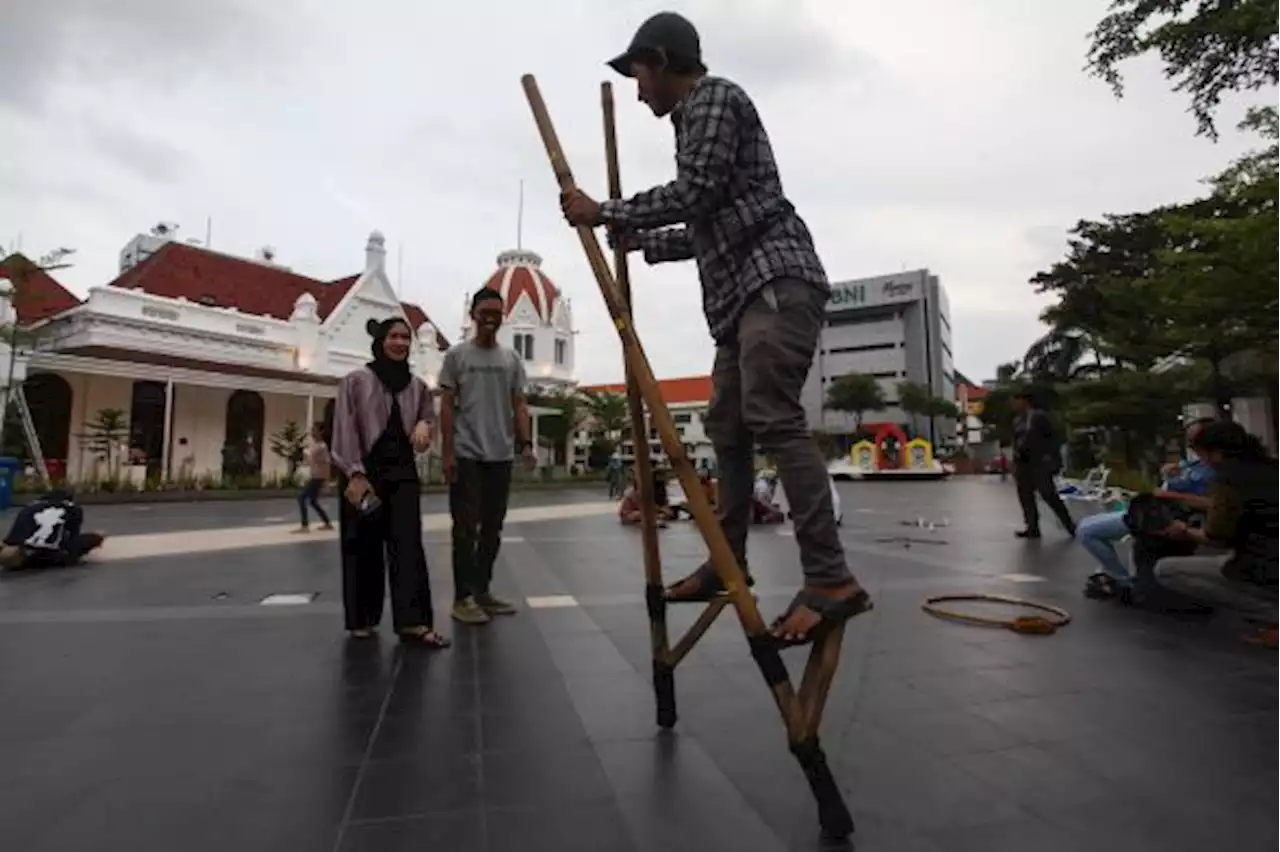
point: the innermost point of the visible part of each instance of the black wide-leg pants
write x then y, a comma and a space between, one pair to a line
384, 544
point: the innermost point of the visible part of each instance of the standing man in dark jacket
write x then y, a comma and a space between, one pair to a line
1035, 461
764, 293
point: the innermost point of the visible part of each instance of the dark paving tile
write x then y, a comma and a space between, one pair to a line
451, 832
411, 736
263, 810
439, 784
538, 777
508, 731
927, 792
539, 697
581, 827
675, 798
217, 730
1019, 835
1039, 780
950, 731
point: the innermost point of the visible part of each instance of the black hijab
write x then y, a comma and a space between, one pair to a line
394, 375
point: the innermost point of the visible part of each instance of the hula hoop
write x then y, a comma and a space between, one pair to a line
1040, 624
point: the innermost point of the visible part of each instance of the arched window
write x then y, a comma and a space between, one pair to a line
49, 397
146, 425
242, 446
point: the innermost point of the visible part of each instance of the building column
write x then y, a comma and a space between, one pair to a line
166, 452
311, 412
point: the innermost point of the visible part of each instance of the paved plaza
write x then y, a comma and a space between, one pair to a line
154, 702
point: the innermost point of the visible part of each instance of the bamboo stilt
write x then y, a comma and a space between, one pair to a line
663, 675
801, 715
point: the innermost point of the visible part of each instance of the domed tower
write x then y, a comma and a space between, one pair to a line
538, 321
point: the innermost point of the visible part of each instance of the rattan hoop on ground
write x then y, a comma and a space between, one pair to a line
1040, 624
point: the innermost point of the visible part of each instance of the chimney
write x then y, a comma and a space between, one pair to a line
375, 253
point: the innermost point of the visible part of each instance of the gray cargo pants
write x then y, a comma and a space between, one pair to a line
755, 398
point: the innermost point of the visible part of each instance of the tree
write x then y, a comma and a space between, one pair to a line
917, 399
1105, 288
914, 397
1208, 47
997, 415
856, 394
609, 412
556, 429
1137, 409
104, 434
289, 444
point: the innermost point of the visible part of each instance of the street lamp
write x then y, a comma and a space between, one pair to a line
19, 274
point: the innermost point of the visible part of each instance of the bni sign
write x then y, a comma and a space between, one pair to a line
859, 294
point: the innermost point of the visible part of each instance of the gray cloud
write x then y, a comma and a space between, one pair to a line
770, 45
964, 140
149, 158
43, 44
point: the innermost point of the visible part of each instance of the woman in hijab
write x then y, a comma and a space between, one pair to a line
384, 416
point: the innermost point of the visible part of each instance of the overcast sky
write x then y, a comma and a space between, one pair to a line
962, 137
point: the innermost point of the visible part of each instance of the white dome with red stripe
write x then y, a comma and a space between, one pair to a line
519, 276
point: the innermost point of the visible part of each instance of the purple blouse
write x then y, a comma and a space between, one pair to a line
361, 412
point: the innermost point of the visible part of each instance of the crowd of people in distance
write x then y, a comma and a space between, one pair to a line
764, 508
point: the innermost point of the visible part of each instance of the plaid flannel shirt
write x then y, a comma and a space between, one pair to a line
728, 206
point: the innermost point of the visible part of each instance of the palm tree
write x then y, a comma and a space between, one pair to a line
609, 411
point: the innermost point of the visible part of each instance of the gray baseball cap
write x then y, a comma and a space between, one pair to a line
666, 33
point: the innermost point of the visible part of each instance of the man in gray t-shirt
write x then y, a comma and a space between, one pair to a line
483, 417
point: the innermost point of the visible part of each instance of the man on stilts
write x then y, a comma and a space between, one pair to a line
764, 292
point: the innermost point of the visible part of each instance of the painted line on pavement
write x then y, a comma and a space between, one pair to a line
238, 538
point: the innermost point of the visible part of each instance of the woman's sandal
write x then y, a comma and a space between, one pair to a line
425, 637
832, 612
707, 586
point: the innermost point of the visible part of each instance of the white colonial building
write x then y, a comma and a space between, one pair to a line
199, 357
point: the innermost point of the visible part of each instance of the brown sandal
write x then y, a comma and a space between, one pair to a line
427, 638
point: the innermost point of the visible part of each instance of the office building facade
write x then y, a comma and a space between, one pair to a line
896, 328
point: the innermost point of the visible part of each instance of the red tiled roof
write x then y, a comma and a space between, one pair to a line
674, 391
973, 391
417, 316
179, 271
37, 295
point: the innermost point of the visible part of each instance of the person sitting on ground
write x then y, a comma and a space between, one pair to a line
1186, 483
46, 534
1242, 519
763, 508
629, 509
680, 511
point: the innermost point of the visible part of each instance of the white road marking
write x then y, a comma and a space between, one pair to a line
237, 538
1023, 578
551, 602
288, 599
